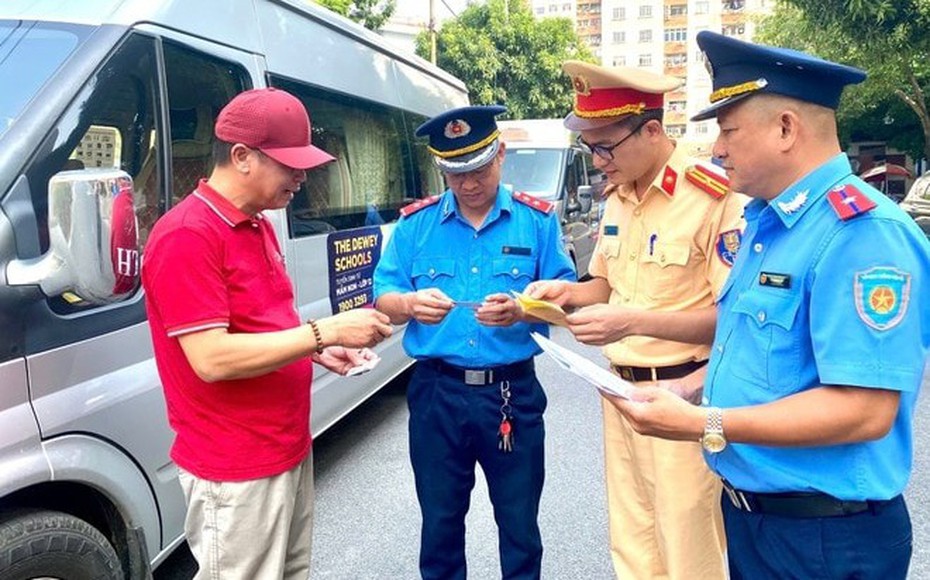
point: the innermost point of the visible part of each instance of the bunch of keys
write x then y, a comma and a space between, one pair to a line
505, 431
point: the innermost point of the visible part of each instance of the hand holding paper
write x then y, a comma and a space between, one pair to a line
547, 311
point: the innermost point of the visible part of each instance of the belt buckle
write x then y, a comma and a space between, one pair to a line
477, 377
626, 373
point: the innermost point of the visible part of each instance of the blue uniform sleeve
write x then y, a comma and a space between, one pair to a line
554, 262
392, 274
867, 326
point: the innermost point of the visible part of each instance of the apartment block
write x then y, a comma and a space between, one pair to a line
659, 35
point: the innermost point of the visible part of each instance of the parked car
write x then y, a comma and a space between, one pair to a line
917, 202
543, 160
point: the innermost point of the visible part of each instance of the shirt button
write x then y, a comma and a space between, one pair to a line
474, 269
705, 401
471, 342
432, 271
757, 247
761, 316
626, 298
720, 348
632, 256
515, 271
637, 211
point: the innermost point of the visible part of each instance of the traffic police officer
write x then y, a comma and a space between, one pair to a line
820, 348
670, 232
448, 271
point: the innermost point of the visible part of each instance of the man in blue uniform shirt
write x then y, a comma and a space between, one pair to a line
448, 271
820, 346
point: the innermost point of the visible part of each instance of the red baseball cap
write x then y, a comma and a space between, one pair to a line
273, 121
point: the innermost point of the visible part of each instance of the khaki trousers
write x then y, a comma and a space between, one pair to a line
251, 530
665, 519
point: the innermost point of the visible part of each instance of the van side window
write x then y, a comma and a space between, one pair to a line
199, 86
372, 176
110, 124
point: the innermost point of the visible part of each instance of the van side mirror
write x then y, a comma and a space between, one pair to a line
93, 239
585, 196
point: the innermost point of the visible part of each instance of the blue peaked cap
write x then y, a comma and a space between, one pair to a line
740, 69
463, 139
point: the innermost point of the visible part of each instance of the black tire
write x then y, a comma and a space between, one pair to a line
49, 544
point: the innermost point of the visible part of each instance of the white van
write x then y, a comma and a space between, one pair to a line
543, 160
107, 102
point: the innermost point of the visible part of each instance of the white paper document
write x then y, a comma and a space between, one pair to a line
363, 367
598, 376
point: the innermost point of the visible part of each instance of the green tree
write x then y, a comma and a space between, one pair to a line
505, 56
372, 14
888, 39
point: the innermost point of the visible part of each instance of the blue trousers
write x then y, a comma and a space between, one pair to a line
872, 545
453, 426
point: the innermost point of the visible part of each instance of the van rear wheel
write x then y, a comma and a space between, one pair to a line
50, 544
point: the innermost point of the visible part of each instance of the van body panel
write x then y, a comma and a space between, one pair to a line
20, 452
84, 388
99, 464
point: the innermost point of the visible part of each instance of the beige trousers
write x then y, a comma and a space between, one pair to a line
665, 520
251, 530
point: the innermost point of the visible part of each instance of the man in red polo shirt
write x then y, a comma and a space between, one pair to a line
232, 353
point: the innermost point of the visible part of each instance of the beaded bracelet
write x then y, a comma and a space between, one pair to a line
316, 334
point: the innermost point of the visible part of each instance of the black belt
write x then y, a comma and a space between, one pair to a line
482, 376
636, 374
797, 504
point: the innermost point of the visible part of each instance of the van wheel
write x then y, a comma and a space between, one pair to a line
49, 544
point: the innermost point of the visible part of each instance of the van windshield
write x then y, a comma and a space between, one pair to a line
30, 53
534, 171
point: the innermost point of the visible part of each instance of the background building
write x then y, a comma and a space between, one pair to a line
659, 35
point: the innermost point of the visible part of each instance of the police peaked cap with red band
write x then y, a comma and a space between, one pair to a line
603, 95
741, 69
463, 139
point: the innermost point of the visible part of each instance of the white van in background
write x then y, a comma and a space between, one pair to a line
543, 160
106, 116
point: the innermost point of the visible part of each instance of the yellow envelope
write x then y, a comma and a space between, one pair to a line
541, 309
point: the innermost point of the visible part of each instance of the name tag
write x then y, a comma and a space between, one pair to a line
611, 230
515, 250
775, 280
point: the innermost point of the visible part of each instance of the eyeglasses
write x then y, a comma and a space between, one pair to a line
606, 152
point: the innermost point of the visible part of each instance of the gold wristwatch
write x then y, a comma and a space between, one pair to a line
713, 439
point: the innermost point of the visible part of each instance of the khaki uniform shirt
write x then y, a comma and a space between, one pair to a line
671, 251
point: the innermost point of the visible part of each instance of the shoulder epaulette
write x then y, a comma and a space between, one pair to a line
848, 202
534, 202
419, 204
708, 180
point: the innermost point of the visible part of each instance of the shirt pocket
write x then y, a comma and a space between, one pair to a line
434, 273
665, 273
609, 249
512, 273
768, 350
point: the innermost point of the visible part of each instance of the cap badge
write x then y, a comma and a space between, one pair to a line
456, 128
582, 85
747, 87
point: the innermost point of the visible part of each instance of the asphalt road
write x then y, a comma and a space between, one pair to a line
367, 519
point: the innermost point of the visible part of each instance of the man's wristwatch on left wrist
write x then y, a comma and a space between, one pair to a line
713, 439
